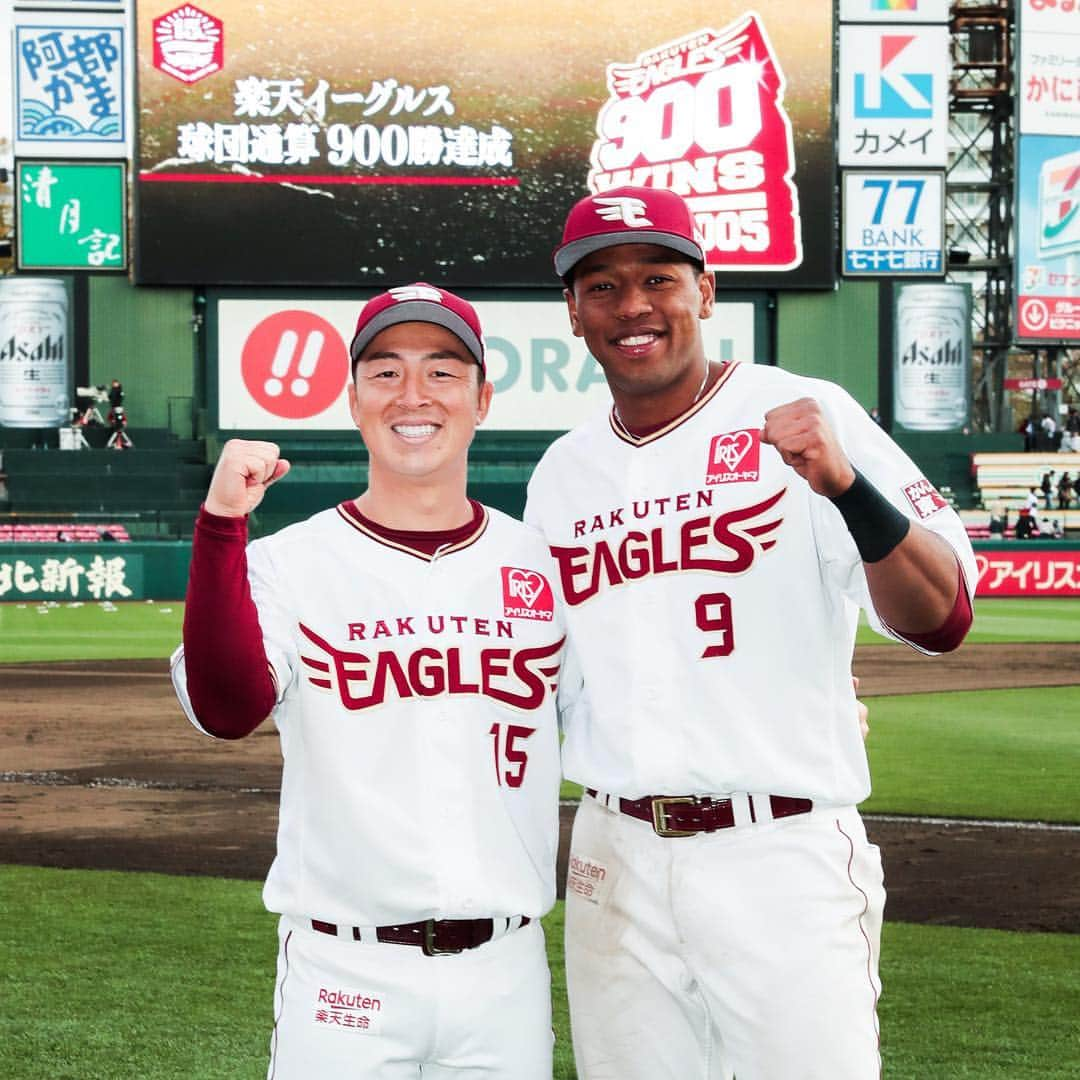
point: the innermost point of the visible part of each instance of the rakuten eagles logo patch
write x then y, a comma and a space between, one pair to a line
526, 595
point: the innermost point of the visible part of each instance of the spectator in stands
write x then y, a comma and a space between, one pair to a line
1027, 429
1025, 522
1071, 439
1065, 491
1049, 429
999, 520
1031, 501
1047, 486
116, 394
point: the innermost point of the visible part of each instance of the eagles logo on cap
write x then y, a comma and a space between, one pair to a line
628, 215
420, 302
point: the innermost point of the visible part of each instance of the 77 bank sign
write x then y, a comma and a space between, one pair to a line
704, 116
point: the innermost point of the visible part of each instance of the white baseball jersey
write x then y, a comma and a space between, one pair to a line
416, 711
712, 597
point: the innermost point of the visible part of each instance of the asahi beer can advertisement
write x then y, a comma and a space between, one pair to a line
932, 357
35, 374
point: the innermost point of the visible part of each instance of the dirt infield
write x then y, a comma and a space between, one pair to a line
100, 770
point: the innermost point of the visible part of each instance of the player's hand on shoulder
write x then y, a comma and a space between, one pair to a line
246, 468
806, 441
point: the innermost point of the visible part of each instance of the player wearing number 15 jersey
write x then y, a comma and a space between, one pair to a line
407, 645
716, 533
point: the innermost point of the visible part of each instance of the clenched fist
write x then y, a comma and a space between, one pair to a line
244, 471
802, 435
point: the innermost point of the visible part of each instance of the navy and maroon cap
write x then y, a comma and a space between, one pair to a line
628, 215
419, 302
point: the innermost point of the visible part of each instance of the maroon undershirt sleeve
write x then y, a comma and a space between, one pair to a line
953, 630
228, 677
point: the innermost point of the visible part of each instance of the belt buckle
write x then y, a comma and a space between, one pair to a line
429, 946
659, 815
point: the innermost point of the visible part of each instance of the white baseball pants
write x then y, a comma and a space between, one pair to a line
346, 1011
749, 952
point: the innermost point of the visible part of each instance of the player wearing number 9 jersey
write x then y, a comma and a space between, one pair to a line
716, 534
407, 645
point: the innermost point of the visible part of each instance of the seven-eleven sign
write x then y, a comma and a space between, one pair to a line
1059, 206
703, 116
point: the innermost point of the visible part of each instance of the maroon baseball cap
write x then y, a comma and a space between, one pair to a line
628, 215
419, 302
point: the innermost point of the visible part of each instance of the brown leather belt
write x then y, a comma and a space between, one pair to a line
687, 815
437, 937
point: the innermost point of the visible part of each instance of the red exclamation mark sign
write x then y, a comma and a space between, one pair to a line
294, 364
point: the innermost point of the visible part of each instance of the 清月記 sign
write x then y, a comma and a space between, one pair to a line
72, 216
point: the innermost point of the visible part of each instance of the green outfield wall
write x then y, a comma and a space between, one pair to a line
147, 339
832, 335
66, 573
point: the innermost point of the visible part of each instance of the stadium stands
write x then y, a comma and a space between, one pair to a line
48, 532
159, 486
1003, 480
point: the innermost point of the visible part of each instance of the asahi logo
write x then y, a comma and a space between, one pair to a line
48, 348
926, 352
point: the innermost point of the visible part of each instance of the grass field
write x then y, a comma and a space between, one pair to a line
1002, 754
108, 975
152, 977
127, 631
130, 631
953, 755
1008, 619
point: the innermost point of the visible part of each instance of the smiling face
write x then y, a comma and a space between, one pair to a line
638, 307
417, 398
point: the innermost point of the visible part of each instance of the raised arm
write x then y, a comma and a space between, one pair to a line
913, 574
228, 678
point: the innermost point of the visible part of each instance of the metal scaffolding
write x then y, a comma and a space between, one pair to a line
979, 192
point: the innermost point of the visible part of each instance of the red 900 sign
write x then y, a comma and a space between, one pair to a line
294, 364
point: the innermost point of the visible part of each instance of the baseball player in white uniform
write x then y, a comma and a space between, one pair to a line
407, 645
716, 533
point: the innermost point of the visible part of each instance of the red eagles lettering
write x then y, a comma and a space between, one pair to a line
517, 677
725, 544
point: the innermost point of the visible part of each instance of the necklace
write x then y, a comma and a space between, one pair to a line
701, 388
697, 396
